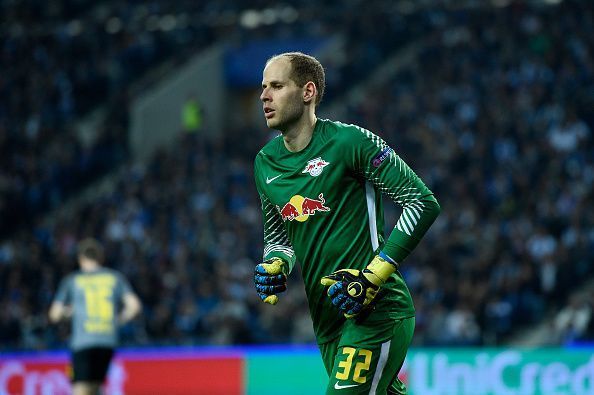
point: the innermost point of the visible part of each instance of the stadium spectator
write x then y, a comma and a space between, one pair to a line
571, 323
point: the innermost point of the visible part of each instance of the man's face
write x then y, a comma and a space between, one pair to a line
282, 99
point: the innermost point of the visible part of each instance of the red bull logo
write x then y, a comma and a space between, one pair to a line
299, 208
315, 166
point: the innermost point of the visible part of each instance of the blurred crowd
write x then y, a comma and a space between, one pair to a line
495, 113
62, 59
181, 228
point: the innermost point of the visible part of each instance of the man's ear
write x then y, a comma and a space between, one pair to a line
309, 92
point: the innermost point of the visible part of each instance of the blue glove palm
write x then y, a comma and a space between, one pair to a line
270, 278
353, 290
350, 291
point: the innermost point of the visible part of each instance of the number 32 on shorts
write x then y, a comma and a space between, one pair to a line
362, 361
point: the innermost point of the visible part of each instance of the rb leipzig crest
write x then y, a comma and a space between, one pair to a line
315, 166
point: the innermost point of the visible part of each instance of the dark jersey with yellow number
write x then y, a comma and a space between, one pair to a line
322, 207
95, 298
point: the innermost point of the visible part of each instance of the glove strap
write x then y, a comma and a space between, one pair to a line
278, 266
379, 270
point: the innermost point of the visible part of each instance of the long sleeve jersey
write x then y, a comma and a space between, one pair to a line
322, 207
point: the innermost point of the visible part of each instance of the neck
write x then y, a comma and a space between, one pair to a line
297, 137
89, 267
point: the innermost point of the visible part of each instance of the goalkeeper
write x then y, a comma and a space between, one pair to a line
320, 184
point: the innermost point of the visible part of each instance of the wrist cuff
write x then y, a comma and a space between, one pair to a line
388, 258
277, 266
381, 268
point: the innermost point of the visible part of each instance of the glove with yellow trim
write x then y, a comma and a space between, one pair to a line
270, 278
353, 290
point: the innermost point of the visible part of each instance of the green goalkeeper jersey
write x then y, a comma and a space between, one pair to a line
322, 207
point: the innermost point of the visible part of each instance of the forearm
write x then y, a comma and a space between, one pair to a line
58, 312
276, 240
132, 308
419, 207
412, 225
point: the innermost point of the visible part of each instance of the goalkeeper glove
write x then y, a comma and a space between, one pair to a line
353, 290
270, 278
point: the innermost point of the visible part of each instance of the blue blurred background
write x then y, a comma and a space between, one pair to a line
137, 121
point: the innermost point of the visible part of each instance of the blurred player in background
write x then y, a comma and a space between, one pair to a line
97, 300
320, 183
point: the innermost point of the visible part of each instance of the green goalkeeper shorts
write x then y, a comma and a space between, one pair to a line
367, 357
